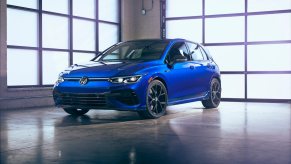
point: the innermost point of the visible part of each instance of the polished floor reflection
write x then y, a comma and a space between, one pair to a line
234, 133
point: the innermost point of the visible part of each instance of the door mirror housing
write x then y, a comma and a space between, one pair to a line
180, 58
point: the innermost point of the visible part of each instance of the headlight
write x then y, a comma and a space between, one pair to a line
127, 79
60, 80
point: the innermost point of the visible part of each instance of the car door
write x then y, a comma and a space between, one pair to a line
178, 79
203, 69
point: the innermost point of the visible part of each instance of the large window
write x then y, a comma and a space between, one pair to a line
249, 39
46, 36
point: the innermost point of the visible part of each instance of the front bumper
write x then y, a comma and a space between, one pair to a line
101, 95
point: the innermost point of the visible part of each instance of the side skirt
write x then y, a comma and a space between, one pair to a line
188, 99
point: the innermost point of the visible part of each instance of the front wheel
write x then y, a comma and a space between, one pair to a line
215, 95
76, 112
156, 100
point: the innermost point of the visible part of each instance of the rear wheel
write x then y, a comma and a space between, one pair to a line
215, 95
75, 111
156, 100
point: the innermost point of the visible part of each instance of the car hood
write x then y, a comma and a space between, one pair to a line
105, 69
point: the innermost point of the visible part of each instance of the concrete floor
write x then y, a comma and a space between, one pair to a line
234, 133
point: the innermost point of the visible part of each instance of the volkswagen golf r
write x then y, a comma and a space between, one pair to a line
143, 76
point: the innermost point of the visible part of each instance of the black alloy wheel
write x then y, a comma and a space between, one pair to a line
215, 95
156, 100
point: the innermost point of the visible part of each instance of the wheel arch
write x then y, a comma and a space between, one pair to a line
162, 80
216, 76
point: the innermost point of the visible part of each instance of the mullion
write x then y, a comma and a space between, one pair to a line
44, 49
107, 22
203, 22
269, 12
26, 86
22, 8
84, 51
55, 49
249, 43
246, 50
257, 100
224, 44
22, 47
268, 72
230, 15
96, 27
54, 13
268, 42
163, 19
255, 72
40, 64
83, 18
119, 21
70, 32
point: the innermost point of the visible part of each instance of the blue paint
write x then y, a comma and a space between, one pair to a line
186, 81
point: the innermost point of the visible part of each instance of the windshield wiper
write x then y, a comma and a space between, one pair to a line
102, 62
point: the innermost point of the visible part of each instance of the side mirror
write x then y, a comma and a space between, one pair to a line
180, 59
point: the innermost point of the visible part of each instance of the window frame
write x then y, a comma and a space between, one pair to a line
168, 54
39, 11
246, 14
202, 52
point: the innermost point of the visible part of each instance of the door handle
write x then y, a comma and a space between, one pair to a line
192, 67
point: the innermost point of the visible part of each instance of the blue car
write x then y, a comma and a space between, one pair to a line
143, 76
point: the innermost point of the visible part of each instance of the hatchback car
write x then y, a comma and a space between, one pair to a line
143, 76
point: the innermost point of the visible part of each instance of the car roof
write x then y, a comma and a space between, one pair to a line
166, 40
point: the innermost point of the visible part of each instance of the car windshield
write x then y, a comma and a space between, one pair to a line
134, 50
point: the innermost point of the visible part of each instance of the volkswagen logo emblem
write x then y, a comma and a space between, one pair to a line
84, 80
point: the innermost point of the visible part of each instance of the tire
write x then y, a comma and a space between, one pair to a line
215, 95
156, 101
76, 112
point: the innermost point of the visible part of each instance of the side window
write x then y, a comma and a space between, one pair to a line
178, 50
195, 51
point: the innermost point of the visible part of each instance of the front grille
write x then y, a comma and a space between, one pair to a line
90, 100
89, 78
